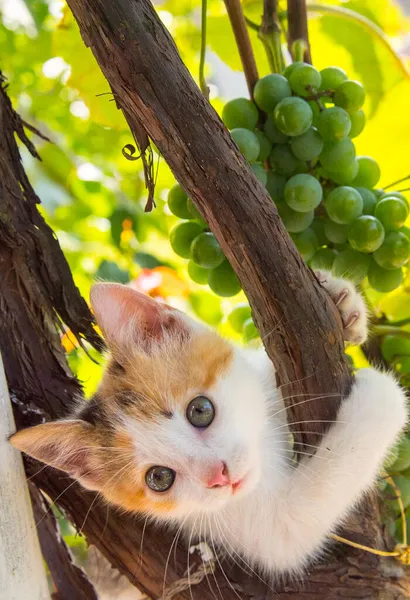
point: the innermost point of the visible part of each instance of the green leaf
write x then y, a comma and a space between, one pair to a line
221, 40
374, 63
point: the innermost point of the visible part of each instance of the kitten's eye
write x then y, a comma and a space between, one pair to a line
200, 412
159, 479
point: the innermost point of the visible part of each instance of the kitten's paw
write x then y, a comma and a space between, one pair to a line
351, 306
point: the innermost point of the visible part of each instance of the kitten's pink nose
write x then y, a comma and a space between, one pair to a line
218, 476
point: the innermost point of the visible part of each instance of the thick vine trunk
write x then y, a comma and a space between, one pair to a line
299, 325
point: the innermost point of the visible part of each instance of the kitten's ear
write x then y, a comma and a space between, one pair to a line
127, 317
65, 445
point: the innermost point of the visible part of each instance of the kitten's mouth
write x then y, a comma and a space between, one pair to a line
238, 484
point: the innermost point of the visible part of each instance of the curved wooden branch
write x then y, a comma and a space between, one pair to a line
298, 323
298, 26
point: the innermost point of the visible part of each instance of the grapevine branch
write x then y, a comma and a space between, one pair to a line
238, 23
283, 293
269, 33
298, 27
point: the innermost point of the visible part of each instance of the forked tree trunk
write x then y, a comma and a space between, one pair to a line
299, 324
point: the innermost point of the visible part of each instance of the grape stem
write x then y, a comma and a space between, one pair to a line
270, 35
202, 81
298, 27
243, 42
320, 94
390, 330
386, 187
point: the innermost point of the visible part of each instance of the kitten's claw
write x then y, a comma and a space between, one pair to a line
342, 296
351, 306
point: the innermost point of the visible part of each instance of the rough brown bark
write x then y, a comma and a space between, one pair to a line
298, 27
70, 580
299, 325
302, 334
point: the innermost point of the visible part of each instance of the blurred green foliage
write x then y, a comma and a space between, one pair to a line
94, 198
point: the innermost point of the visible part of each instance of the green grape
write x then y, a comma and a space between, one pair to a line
392, 212
391, 347
294, 221
265, 146
206, 251
182, 236
346, 175
249, 330
394, 252
273, 133
247, 143
332, 77
323, 259
336, 233
270, 90
336, 156
237, 317
290, 68
366, 234
405, 231
223, 281
383, 280
369, 200
318, 226
379, 193
303, 192
351, 264
197, 273
260, 173
358, 121
283, 161
306, 242
395, 195
276, 186
369, 172
293, 116
240, 112
307, 146
344, 204
333, 123
315, 111
178, 202
305, 80
350, 96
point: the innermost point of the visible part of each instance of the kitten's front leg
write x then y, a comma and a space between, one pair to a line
326, 486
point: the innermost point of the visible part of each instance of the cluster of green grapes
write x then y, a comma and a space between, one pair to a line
297, 136
192, 239
303, 153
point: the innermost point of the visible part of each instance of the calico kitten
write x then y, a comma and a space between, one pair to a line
187, 428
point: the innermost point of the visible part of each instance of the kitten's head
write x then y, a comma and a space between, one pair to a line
176, 423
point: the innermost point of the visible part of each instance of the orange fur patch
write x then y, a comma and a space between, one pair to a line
162, 379
143, 386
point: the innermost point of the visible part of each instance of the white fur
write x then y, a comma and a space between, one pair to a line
282, 516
